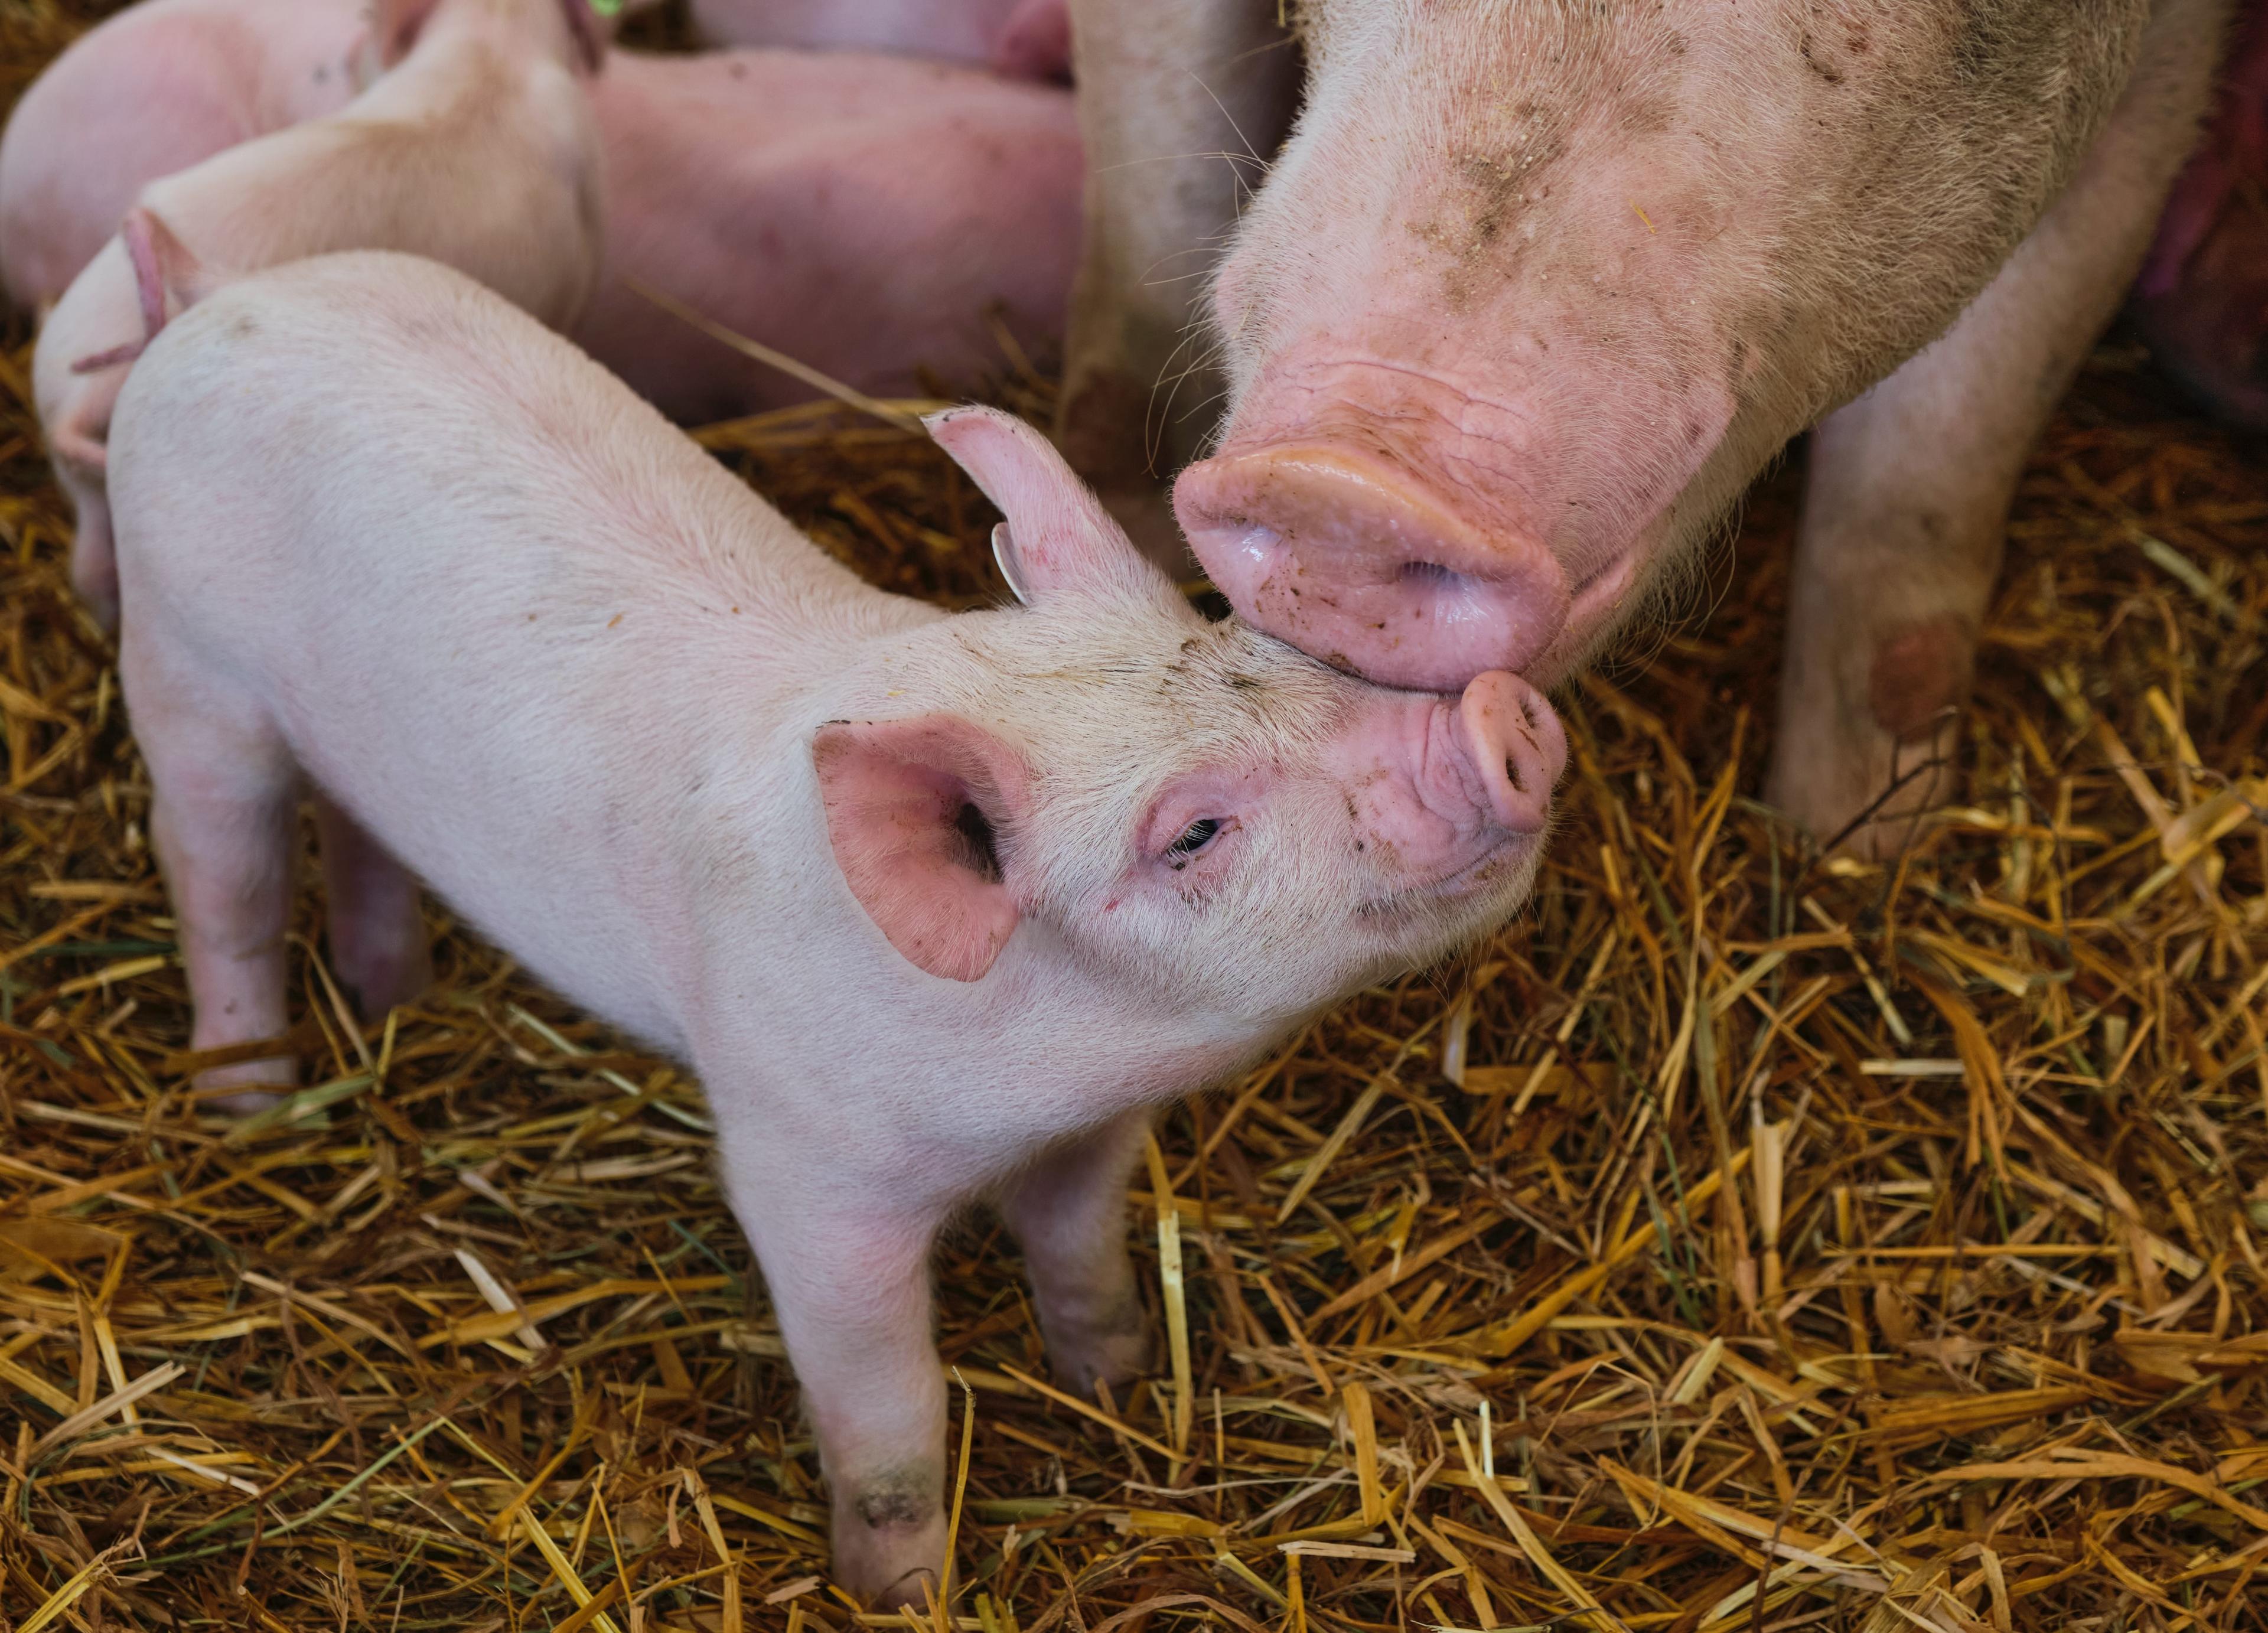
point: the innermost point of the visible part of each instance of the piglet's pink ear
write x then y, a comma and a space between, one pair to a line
167, 275
395, 25
588, 33
917, 811
1059, 536
168, 278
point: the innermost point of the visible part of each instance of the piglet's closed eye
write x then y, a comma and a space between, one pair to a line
916, 810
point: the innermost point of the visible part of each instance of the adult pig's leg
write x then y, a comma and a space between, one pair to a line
1070, 1212
1911, 485
1180, 104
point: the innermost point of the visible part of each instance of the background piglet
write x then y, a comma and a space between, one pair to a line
477, 148
938, 905
155, 89
1028, 39
862, 214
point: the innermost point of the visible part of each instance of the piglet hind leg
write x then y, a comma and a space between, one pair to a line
1069, 1210
848, 1280
224, 820
377, 934
1911, 485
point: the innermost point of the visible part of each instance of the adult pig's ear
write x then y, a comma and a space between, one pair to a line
1058, 535
919, 813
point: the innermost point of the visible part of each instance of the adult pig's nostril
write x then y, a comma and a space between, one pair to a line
1353, 560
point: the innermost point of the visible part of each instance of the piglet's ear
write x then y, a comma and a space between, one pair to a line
588, 32
918, 812
395, 25
168, 277
1059, 536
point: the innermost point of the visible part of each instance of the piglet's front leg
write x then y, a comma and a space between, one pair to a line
850, 1284
1069, 1210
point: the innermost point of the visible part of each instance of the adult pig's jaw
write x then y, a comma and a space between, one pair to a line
1350, 558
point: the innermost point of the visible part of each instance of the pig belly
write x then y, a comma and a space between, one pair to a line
2202, 302
868, 217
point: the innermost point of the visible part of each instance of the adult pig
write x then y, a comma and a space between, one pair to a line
476, 147
153, 90
1535, 290
939, 906
866, 215
1028, 39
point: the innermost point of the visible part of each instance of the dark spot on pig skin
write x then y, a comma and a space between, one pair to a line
1920, 671
887, 1506
1814, 60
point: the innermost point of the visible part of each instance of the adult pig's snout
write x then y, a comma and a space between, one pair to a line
1356, 561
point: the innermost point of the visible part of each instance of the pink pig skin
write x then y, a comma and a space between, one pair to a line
939, 906
155, 89
1025, 38
1533, 292
862, 214
477, 148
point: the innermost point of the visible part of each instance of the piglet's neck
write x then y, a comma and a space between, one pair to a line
1040, 1050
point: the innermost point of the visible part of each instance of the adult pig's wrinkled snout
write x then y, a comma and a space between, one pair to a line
1353, 560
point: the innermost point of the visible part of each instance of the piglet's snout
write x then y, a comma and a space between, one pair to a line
1516, 746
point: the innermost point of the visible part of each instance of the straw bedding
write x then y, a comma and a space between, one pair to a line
1740, 1240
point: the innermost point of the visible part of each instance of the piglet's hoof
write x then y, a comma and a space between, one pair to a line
253, 1087
889, 1541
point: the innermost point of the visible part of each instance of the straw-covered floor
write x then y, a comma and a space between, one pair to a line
1741, 1240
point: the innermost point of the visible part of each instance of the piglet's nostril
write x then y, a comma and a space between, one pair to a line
1512, 770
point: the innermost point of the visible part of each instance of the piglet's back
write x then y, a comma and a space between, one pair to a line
388, 389
426, 507
466, 153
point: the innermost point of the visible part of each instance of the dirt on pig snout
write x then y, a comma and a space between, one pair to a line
1741, 1239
